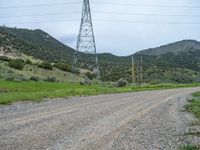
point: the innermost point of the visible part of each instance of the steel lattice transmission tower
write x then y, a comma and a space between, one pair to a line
86, 42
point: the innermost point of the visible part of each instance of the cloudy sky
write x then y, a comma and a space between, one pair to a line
121, 27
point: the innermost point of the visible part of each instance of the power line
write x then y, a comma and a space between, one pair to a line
102, 12
103, 20
40, 15
102, 3
145, 14
147, 5
151, 22
40, 5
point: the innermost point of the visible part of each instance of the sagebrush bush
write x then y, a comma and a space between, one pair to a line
28, 61
62, 66
45, 65
121, 83
90, 75
34, 78
50, 79
4, 58
17, 64
86, 82
9, 77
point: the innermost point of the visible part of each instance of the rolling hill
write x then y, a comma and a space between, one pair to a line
175, 62
36, 43
177, 47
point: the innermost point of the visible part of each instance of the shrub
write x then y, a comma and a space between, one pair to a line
22, 78
121, 83
45, 65
90, 75
50, 79
9, 77
17, 64
34, 78
28, 61
62, 66
86, 82
4, 58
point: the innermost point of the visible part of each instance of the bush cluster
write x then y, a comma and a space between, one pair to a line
62, 66
17, 64
45, 65
121, 83
28, 61
50, 79
4, 58
34, 78
90, 75
86, 82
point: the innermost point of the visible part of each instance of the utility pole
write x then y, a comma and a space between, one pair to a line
141, 70
86, 42
138, 74
133, 70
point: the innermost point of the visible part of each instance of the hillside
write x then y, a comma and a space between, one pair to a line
177, 47
41, 45
175, 62
36, 43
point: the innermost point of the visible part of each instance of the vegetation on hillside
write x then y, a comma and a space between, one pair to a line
17, 64
33, 72
176, 62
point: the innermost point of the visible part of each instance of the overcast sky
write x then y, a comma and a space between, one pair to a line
121, 27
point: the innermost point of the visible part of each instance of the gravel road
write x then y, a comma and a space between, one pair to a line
149, 120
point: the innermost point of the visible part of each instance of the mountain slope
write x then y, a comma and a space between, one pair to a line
35, 43
177, 47
175, 62
41, 45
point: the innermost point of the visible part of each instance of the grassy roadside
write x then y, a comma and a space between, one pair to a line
189, 147
13, 91
193, 107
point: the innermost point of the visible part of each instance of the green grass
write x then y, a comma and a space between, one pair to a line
189, 147
13, 91
194, 105
193, 132
33, 70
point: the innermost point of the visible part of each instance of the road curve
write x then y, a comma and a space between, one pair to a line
89, 123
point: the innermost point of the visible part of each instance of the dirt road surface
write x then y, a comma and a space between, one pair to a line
147, 120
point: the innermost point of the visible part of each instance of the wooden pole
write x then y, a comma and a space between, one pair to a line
141, 70
133, 70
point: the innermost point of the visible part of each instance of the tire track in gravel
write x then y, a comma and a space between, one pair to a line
120, 123
36, 117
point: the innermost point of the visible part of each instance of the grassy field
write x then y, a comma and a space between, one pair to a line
13, 91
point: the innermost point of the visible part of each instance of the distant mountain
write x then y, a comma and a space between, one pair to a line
181, 46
